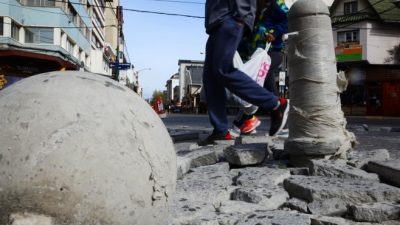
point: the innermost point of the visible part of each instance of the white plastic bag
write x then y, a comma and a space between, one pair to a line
257, 68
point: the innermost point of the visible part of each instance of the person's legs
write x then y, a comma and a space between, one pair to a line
248, 123
219, 73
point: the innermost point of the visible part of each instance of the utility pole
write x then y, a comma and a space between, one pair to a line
119, 30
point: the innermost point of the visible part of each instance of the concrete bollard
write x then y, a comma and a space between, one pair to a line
79, 148
316, 121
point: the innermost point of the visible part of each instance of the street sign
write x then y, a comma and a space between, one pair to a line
121, 66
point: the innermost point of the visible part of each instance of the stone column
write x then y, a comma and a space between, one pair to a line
316, 121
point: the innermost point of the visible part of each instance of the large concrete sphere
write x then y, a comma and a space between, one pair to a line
83, 149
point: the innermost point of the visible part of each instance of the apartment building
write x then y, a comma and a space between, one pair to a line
365, 32
39, 36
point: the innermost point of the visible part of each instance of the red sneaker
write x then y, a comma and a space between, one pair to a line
250, 125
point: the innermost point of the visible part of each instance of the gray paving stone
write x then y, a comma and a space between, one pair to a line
182, 166
297, 204
238, 207
253, 139
328, 207
349, 190
326, 220
270, 197
259, 176
375, 212
183, 147
339, 168
222, 167
388, 171
216, 219
275, 218
201, 156
183, 211
360, 159
246, 154
184, 135
210, 184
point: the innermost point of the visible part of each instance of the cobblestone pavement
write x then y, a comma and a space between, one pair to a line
238, 182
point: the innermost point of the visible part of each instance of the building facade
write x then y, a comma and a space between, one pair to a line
170, 85
365, 32
38, 36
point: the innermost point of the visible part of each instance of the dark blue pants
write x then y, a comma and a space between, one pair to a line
219, 74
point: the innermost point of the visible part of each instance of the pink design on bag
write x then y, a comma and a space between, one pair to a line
262, 73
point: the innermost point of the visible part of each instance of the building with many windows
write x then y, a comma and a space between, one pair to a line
39, 36
366, 35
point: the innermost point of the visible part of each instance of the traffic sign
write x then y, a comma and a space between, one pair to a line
121, 66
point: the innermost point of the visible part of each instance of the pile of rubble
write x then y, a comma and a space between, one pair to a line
239, 183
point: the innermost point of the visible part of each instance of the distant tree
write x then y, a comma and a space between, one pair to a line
394, 55
157, 93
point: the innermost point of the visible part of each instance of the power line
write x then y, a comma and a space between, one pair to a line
125, 9
74, 27
147, 11
163, 13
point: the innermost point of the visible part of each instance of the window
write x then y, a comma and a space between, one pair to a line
348, 36
15, 31
42, 3
72, 14
39, 35
1, 26
350, 7
70, 46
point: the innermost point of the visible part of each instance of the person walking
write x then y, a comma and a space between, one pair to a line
270, 26
225, 21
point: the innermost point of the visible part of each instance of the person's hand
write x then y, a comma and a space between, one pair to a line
270, 38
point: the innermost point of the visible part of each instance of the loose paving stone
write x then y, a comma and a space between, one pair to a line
328, 207
253, 139
360, 159
339, 168
220, 148
326, 220
238, 207
297, 204
277, 143
184, 136
349, 190
183, 211
217, 219
210, 184
388, 171
202, 156
184, 147
222, 167
182, 165
375, 212
275, 218
259, 176
246, 154
271, 197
